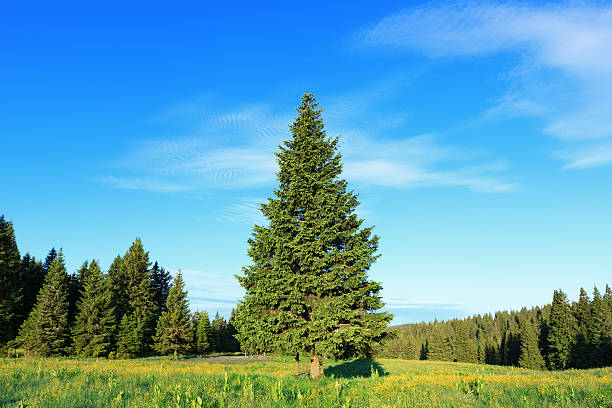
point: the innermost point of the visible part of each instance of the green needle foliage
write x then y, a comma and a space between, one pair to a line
95, 321
203, 333
530, 355
562, 330
174, 331
138, 323
11, 291
307, 289
46, 332
438, 344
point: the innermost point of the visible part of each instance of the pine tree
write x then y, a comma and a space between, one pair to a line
530, 355
307, 288
119, 288
46, 332
606, 332
582, 351
595, 329
49, 260
218, 328
174, 332
95, 320
11, 290
161, 286
136, 328
464, 348
203, 334
561, 331
438, 344
231, 332
32, 280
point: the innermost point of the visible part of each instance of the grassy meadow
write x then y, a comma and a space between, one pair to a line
243, 382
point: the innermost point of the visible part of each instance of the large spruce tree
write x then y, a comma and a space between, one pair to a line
308, 286
174, 331
46, 332
562, 331
137, 324
161, 286
530, 355
11, 289
203, 341
95, 320
438, 344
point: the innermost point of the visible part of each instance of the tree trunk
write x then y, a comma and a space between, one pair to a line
297, 364
315, 367
175, 353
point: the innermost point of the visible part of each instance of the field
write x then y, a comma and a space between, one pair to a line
244, 382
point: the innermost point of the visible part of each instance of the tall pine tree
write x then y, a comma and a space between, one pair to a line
438, 344
46, 332
11, 291
203, 333
561, 332
174, 332
32, 280
95, 320
530, 355
307, 288
137, 325
161, 286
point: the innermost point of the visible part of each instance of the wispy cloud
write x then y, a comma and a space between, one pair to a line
247, 210
235, 150
564, 61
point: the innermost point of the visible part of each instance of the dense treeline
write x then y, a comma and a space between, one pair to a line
134, 309
556, 336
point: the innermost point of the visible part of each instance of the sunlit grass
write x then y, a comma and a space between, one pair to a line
355, 383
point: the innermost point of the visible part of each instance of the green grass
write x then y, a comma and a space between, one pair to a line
238, 382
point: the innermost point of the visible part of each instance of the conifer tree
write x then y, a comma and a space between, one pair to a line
231, 332
118, 283
595, 329
582, 351
49, 260
95, 320
174, 332
530, 355
161, 286
606, 332
11, 290
46, 332
561, 332
32, 280
464, 348
203, 334
438, 344
137, 325
219, 328
307, 289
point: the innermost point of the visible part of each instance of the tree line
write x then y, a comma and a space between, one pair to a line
134, 309
559, 335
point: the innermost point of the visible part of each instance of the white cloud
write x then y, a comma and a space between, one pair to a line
210, 159
564, 60
247, 210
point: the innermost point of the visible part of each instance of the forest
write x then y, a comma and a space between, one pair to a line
559, 335
84, 323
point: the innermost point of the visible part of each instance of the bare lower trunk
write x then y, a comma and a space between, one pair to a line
297, 364
315, 367
175, 353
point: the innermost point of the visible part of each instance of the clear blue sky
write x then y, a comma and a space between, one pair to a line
479, 137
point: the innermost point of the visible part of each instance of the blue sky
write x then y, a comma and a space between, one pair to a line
478, 136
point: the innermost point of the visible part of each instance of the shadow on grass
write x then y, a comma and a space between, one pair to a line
362, 367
